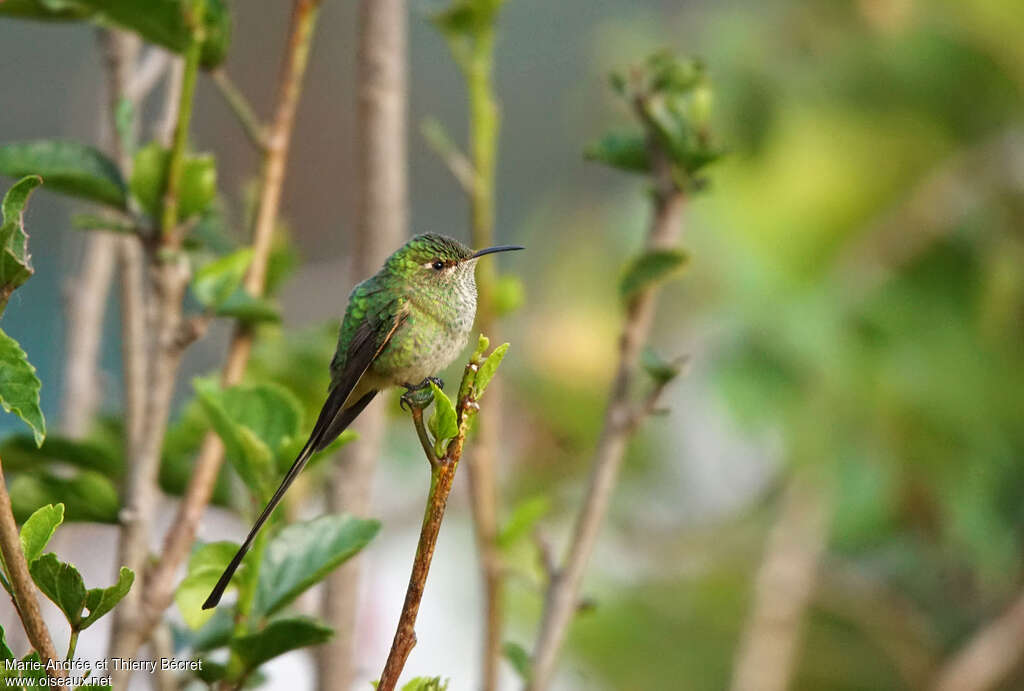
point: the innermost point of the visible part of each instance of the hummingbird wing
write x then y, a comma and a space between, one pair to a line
370, 336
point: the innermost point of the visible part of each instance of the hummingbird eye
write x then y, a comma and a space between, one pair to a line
438, 265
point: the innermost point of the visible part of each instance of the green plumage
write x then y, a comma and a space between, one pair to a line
402, 325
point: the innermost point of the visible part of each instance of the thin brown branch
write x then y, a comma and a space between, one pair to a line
380, 225
24, 590
989, 657
442, 474
783, 588
563, 595
159, 586
147, 74
241, 108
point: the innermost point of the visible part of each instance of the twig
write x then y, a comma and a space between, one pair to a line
146, 74
563, 594
170, 276
159, 587
240, 106
783, 589
441, 144
24, 590
989, 657
381, 225
442, 474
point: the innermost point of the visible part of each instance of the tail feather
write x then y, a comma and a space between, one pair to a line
333, 420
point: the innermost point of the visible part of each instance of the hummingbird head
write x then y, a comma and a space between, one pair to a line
430, 262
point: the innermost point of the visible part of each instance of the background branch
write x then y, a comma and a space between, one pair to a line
381, 226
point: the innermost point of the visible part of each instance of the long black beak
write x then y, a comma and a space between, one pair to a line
496, 248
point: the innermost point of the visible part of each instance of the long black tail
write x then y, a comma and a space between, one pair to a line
332, 421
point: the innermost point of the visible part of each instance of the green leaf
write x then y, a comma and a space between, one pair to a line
488, 369
626, 151
106, 223
660, 370
87, 496
5, 652
164, 22
67, 166
425, 684
256, 422
246, 308
304, 553
279, 637
217, 281
205, 566
649, 269
443, 422
523, 518
39, 528
19, 452
99, 601
15, 264
62, 583
45, 10
19, 386
519, 659
149, 181
467, 18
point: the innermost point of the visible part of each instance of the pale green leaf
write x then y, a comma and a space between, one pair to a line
518, 658
19, 386
39, 528
443, 422
205, 567
216, 281
488, 369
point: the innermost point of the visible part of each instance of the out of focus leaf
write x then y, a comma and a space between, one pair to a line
658, 368
488, 369
518, 658
45, 10
302, 554
246, 308
15, 264
19, 386
205, 566
70, 167
626, 151
21, 453
250, 456
509, 294
425, 684
217, 281
99, 601
524, 517
149, 181
164, 22
107, 223
279, 637
467, 18
39, 528
87, 496
443, 422
649, 269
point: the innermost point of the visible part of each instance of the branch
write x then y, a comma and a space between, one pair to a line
989, 657
563, 594
147, 73
23, 589
159, 587
442, 474
441, 144
381, 165
240, 106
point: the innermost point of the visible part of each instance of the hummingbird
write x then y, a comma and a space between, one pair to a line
402, 326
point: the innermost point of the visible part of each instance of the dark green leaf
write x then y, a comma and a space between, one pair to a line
15, 264
39, 528
20, 452
651, 268
519, 659
489, 368
205, 566
425, 684
443, 422
660, 370
19, 386
217, 281
99, 601
46, 10
62, 583
164, 22
304, 553
523, 518
246, 308
149, 181
279, 637
626, 151
87, 496
107, 223
5, 652
66, 166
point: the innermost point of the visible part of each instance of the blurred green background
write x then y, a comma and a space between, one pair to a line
854, 307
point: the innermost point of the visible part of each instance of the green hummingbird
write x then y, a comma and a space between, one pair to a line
402, 326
